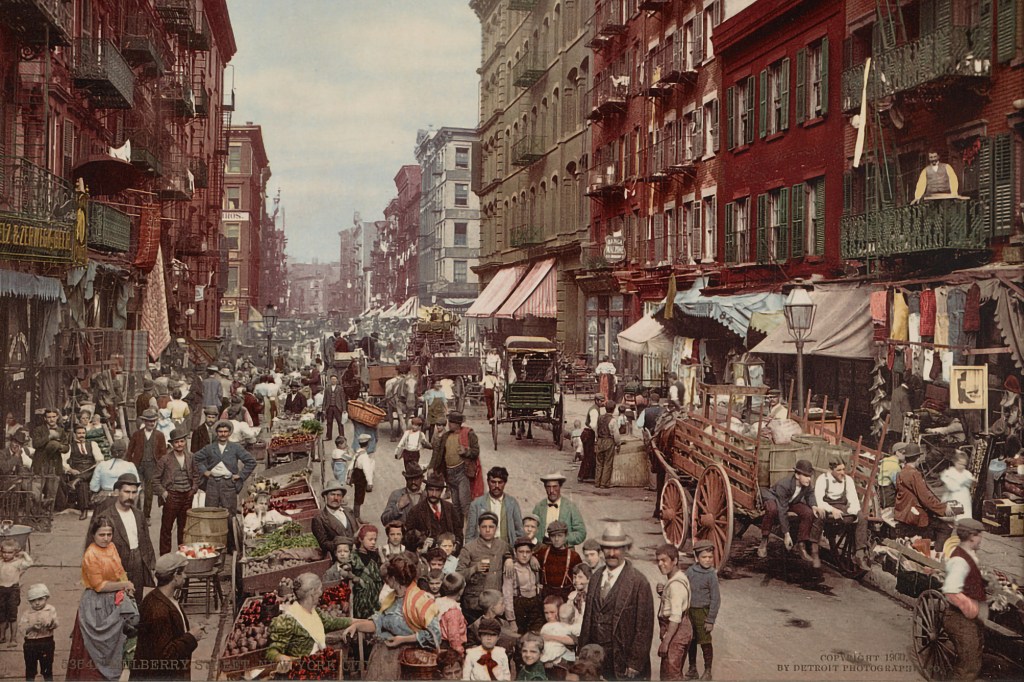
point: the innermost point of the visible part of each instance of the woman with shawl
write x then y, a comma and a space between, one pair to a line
302, 627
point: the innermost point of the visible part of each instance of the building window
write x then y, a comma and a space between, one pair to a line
709, 143
232, 198
773, 226
462, 157
605, 317
712, 17
461, 194
234, 158
461, 234
812, 81
710, 221
740, 113
737, 231
774, 102
232, 289
231, 236
460, 271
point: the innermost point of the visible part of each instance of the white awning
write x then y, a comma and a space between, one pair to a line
646, 337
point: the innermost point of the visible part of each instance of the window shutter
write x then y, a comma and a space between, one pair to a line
798, 197
1002, 185
801, 85
68, 148
698, 39
730, 117
1006, 30
762, 109
819, 217
824, 75
984, 163
697, 234
715, 133
730, 234
698, 134
762, 229
658, 220
784, 93
871, 202
782, 243
750, 110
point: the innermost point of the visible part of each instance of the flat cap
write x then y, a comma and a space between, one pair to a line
169, 563
456, 418
557, 527
487, 516
489, 626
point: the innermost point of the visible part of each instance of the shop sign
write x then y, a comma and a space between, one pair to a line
28, 240
200, 293
242, 216
614, 248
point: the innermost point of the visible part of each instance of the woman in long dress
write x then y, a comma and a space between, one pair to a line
957, 482
98, 639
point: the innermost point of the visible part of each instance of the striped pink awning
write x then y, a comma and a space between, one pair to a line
536, 295
495, 293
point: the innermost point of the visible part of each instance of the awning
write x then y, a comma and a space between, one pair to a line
256, 320
646, 337
766, 322
495, 293
390, 312
842, 326
536, 295
733, 312
23, 285
457, 302
409, 309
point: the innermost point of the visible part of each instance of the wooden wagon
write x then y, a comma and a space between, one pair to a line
531, 393
704, 455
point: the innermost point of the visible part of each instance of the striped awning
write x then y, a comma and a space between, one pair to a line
536, 295
495, 293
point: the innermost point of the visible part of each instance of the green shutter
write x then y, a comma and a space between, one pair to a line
984, 163
762, 122
784, 94
1002, 185
762, 229
730, 117
716, 133
824, 75
730, 234
819, 217
1006, 30
801, 85
749, 102
782, 242
798, 197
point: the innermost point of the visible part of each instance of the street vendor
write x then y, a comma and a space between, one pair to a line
225, 466
302, 627
918, 510
964, 588
837, 499
334, 521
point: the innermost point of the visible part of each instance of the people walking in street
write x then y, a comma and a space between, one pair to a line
964, 589
360, 476
176, 482
457, 458
557, 561
605, 372
673, 614
38, 623
402, 500
412, 443
791, 494
435, 406
334, 406
557, 508
131, 532
146, 447
588, 465
225, 466
606, 445
506, 507
433, 516
334, 521
705, 600
83, 458
166, 640
619, 615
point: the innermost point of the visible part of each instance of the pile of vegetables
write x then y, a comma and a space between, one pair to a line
291, 439
260, 566
311, 426
335, 600
198, 550
322, 665
288, 536
252, 626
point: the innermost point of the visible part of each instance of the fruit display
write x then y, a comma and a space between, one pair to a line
251, 567
322, 665
261, 484
199, 550
251, 631
311, 426
288, 536
292, 440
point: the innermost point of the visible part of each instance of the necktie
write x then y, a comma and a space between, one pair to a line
553, 504
606, 586
437, 512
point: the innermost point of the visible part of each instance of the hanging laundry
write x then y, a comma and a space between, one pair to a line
927, 313
947, 365
914, 302
972, 309
955, 302
880, 315
900, 318
929, 364
941, 316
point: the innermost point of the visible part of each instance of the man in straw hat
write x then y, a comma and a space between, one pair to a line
131, 533
334, 521
557, 508
166, 640
177, 481
791, 494
964, 587
225, 466
918, 511
146, 447
619, 615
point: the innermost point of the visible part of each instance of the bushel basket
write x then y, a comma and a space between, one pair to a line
365, 413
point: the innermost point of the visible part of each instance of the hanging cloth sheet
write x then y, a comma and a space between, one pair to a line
972, 309
927, 313
880, 314
154, 309
941, 316
900, 318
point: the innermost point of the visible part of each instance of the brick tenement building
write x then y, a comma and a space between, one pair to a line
396, 251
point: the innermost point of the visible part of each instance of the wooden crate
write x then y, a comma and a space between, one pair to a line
265, 582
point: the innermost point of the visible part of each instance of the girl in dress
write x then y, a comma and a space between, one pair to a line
366, 568
958, 482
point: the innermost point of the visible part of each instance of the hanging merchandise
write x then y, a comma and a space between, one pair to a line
880, 314
927, 313
900, 318
878, 398
941, 316
972, 309
956, 301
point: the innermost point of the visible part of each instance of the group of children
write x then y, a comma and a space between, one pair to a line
37, 623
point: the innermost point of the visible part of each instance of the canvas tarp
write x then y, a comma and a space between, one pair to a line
646, 336
733, 312
842, 326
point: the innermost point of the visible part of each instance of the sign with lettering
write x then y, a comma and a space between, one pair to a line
29, 240
242, 216
149, 237
614, 248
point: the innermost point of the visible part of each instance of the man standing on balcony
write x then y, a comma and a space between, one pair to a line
937, 181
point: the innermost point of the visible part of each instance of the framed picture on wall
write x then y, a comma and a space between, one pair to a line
968, 388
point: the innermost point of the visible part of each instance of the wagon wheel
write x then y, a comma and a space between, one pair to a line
556, 424
933, 650
675, 512
713, 512
841, 549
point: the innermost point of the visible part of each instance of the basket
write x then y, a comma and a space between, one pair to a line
417, 664
365, 413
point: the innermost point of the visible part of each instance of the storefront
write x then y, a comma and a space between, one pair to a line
605, 319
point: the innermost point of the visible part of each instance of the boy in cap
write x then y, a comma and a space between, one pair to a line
531, 523
705, 600
557, 561
592, 554
166, 641
38, 624
791, 494
521, 588
360, 476
487, 661
673, 613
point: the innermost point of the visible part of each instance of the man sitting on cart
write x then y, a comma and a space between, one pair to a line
791, 494
918, 510
964, 587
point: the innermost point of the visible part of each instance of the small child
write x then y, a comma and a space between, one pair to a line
38, 625
576, 436
592, 555
341, 457
673, 613
487, 661
531, 647
531, 524
434, 579
493, 604
412, 442
578, 597
557, 632
705, 599
341, 570
395, 530
521, 589
449, 611
14, 561
446, 541
361, 474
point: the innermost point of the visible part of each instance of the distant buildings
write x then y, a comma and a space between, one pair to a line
396, 253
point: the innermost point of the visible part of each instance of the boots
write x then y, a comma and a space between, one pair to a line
709, 657
355, 511
815, 559
762, 549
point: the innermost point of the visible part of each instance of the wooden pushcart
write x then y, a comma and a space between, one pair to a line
531, 394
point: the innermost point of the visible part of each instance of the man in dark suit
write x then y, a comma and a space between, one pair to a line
334, 406
225, 466
433, 516
334, 520
619, 614
166, 642
49, 442
176, 482
792, 494
205, 433
295, 402
146, 447
131, 532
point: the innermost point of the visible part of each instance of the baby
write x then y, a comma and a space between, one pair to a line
341, 457
557, 632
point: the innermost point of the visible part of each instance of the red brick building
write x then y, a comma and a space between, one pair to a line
396, 251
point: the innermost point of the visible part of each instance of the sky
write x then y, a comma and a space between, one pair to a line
340, 88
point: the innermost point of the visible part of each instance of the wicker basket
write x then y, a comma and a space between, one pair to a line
365, 413
417, 664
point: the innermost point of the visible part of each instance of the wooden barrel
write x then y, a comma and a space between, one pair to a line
207, 524
816, 443
631, 467
828, 451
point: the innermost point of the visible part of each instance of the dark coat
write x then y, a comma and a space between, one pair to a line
137, 446
202, 437
421, 519
164, 650
327, 529
632, 604
334, 396
145, 573
47, 458
165, 473
782, 493
236, 458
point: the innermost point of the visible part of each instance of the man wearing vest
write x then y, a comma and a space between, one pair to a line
81, 460
457, 458
146, 447
505, 507
177, 480
964, 587
608, 440
937, 180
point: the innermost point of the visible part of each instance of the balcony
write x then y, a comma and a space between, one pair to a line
527, 150
939, 225
948, 56
101, 71
140, 46
176, 94
666, 67
200, 173
38, 210
610, 18
199, 39
608, 96
525, 235
522, 5
178, 184
529, 69
179, 16
605, 182
39, 22
592, 258
109, 228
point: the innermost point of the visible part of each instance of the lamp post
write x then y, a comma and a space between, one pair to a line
799, 311
269, 322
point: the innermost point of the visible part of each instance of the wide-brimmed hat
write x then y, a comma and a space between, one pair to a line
169, 563
413, 471
804, 467
224, 422
179, 433
225, 372
20, 436
150, 415
435, 480
614, 536
126, 479
211, 368
554, 476
332, 486
456, 418
911, 453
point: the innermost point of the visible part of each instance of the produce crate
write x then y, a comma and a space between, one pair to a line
233, 667
299, 487
265, 582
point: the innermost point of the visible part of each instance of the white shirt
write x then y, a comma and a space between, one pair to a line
131, 529
489, 381
827, 483
494, 506
340, 515
553, 512
473, 670
611, 575
605, 368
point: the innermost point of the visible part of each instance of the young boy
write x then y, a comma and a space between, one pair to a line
576, 437
38, 625
412, 442
434, 581
449, 611
531, 647
592, 554
341, 457
341, 570
673, 613
494, 608
704, 602
557, 632
395, 530
531, 524
361, 474
487, 661
13, 563
557, 561
521, 588
446, 541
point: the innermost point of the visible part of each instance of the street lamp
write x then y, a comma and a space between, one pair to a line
269, 322
799, 311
